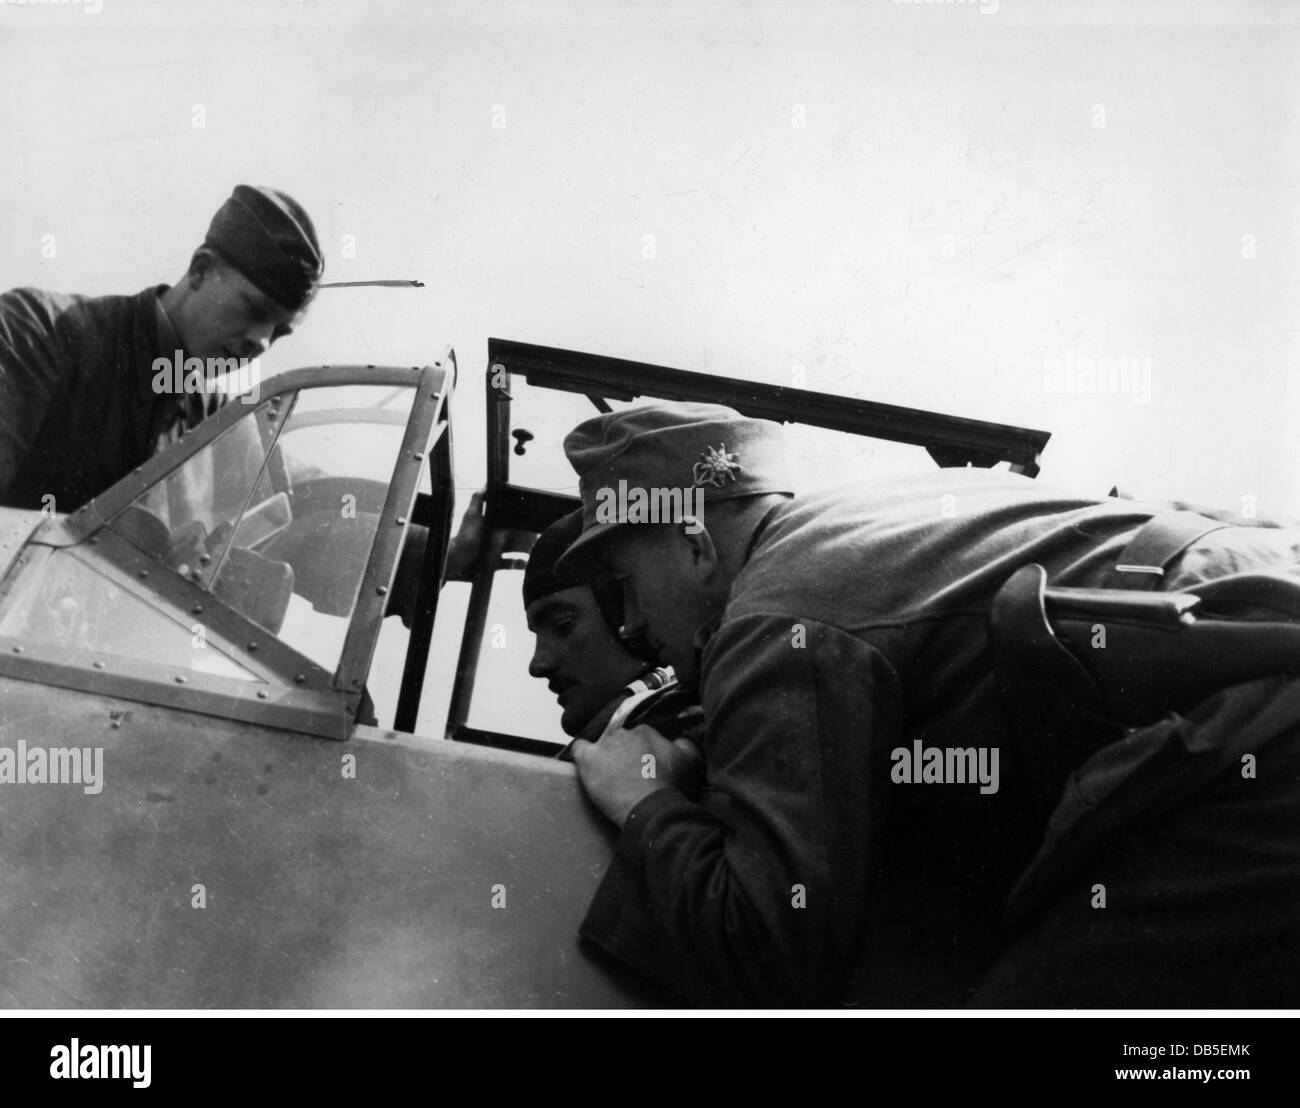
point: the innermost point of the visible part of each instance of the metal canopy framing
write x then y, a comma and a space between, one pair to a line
950, 440
300, 695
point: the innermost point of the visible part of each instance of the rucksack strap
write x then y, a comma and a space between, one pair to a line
1158, 542
1073, 657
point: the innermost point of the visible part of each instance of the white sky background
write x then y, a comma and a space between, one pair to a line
776, 245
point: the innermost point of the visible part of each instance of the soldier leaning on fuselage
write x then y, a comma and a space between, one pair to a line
79, 408
1134, 851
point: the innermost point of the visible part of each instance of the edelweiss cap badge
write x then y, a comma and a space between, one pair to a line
716, 467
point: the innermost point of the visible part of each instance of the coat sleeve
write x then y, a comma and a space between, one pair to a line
31, 373
759, 892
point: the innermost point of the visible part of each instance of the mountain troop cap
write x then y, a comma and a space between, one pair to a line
266, 235
663, 454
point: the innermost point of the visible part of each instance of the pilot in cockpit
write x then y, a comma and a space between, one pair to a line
589, 666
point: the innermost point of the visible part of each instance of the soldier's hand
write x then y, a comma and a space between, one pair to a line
467, 543
626, 765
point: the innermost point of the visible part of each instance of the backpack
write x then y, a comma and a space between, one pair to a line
1125, 701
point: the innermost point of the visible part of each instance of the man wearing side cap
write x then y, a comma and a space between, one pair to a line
835, 638
79, 407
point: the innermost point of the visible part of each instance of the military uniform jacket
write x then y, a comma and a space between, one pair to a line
828, 859
77, 407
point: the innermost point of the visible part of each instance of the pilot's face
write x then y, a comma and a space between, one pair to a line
583, 662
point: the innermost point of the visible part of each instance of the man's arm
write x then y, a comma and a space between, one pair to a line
758, 894
30, 375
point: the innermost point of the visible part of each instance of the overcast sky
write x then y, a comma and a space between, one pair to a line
932, 205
